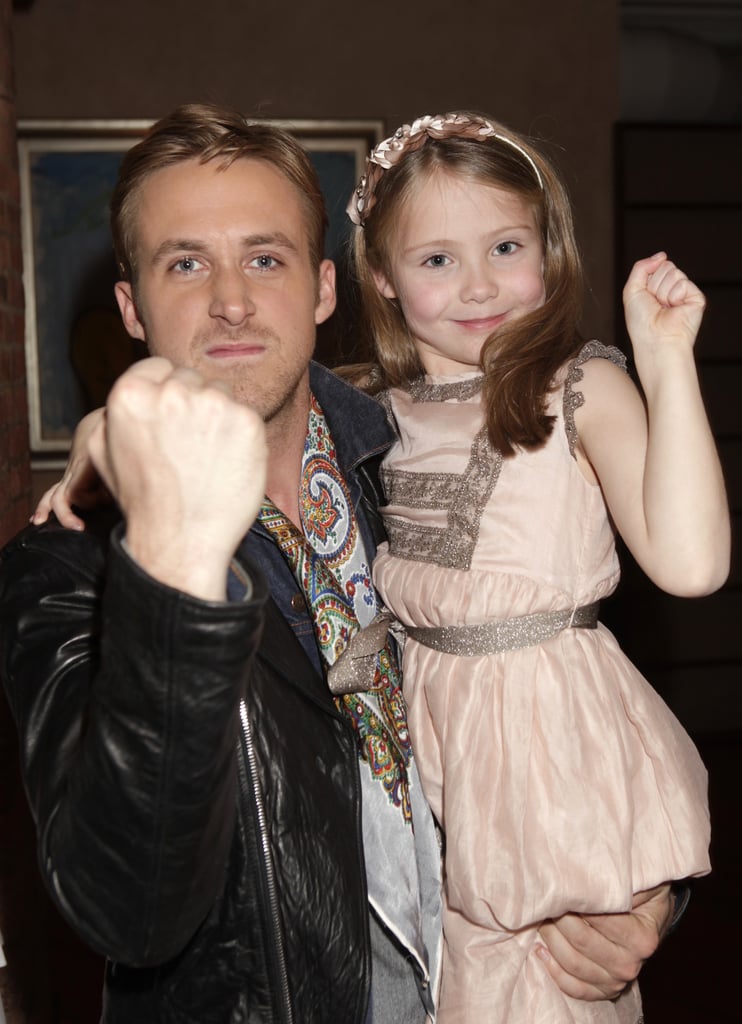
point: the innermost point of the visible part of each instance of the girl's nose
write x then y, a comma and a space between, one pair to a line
480, 284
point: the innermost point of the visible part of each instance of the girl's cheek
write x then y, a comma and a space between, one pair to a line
434, 299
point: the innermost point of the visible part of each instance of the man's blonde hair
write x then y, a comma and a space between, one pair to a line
206, 132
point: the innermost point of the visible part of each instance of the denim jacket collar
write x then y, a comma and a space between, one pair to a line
358, 423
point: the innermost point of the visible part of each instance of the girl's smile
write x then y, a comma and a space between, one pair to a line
489, 324
467, 258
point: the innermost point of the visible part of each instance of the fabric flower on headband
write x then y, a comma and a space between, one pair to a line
410, 137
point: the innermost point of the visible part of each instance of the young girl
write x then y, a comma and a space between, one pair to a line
562, 782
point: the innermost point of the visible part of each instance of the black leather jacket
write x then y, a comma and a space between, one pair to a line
195, 791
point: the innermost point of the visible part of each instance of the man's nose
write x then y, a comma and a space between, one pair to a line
231, 298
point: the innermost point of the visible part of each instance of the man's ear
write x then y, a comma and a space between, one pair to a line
128, 309
326, 298
383, 285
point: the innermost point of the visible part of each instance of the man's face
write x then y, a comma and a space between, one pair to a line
224, 281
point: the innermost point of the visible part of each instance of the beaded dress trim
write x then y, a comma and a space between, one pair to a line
463, 496
574, 399
458, 389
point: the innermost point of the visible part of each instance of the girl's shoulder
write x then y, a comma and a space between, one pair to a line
592, 350
594, 360
607, 364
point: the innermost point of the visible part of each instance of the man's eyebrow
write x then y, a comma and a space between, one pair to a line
171, 246
275, 238
174, 245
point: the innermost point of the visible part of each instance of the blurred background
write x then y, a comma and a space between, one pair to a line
639, 103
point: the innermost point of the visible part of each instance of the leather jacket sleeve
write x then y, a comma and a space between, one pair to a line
126, 696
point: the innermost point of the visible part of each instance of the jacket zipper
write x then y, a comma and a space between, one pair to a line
279, 952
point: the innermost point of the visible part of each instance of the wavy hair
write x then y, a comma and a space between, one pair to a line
519, 361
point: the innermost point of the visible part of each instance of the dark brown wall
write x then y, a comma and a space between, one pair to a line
14, 461
523, 63
20, 892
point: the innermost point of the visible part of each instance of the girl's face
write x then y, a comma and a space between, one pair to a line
466, 258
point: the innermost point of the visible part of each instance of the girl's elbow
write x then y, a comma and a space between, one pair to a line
699, 581
715, 581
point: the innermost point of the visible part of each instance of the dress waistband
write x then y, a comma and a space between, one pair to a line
504, 634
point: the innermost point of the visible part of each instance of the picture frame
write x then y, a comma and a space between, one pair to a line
75, 342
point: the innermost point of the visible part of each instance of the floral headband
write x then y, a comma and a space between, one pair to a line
410, 137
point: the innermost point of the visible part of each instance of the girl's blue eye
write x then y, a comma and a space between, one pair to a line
438, 260
506, 248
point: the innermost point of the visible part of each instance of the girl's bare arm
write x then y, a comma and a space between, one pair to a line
658, 466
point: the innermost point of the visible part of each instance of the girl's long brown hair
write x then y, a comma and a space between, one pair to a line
522, 358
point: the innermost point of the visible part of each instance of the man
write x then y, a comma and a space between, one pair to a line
196, 785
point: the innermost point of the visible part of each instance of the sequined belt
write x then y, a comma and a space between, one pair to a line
504, 634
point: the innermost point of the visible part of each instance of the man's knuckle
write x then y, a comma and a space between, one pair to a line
614, 991
627, 973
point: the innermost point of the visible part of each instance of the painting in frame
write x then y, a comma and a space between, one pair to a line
75, 342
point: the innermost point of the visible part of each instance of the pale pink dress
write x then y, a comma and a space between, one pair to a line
562, 781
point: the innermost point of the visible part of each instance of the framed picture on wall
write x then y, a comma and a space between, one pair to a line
75, 343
